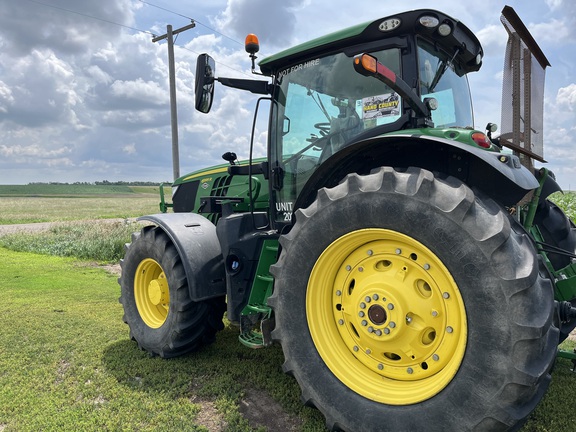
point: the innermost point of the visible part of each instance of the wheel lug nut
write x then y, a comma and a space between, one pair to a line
410, 370
390, 306
364, 323
361, 314
338, 293
434, 313
408, 319
398, 251
380, 366
435, 357
368, 299
446, 295
426, 266
369, 252
368, 351
348, 268
360, 269
386, 330
362, 305
341, 321
355, 348
375, 297
378, 332
449, 329
370, 329
392, 324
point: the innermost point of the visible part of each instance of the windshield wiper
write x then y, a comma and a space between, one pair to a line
442, 69
319, 103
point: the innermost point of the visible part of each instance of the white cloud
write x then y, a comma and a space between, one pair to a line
273, 22
493, 39
6, 97
567, 97
558, 31
139, 91
34, 150
129, 149
554, 4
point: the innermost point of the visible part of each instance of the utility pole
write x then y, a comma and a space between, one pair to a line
172, 76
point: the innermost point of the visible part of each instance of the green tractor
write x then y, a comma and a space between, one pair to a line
381, 241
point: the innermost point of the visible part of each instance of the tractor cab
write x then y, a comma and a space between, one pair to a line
329, 100
402, 74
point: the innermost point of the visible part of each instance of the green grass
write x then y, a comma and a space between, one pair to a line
66, 362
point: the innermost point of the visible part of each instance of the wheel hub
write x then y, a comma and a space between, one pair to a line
377, 314
394, 314
157, 289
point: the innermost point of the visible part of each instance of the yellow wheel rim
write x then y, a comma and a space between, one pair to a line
151, 293
386, 316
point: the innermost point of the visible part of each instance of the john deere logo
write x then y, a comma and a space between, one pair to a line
205, 185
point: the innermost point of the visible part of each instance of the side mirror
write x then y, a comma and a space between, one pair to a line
204, 86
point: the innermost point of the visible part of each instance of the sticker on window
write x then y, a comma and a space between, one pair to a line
380, 106
381, 109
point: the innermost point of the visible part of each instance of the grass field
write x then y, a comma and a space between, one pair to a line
75, 190
55, 202
66, 361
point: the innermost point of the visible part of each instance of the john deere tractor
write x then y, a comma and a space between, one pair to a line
413, 271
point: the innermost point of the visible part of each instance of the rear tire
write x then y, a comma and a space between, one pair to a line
472, 339
163, 319
559, 231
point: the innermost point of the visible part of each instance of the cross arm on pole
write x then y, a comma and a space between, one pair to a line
180, 30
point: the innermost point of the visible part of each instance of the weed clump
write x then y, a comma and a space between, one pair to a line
100, 241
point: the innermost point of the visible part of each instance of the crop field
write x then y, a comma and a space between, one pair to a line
67, 362
59, 202
57, 189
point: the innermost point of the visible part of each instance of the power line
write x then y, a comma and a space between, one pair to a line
90, 16
192, 19
167, 10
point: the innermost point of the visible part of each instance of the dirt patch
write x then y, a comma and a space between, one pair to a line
112, 269
209, 417
27, 228
262, 411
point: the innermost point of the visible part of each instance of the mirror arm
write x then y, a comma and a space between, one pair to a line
253, 86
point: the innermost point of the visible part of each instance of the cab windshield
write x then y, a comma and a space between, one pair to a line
322, 105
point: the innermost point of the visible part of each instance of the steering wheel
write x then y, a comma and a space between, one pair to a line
323, 127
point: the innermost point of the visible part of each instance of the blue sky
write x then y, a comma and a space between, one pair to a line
84, 91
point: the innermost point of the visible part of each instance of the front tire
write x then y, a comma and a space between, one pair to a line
404, 302
162, 317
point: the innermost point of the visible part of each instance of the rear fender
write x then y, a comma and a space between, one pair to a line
195, 239
500, 176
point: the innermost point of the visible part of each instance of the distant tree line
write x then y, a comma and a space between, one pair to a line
103, 183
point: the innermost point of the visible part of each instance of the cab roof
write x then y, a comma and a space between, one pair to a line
405, 23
